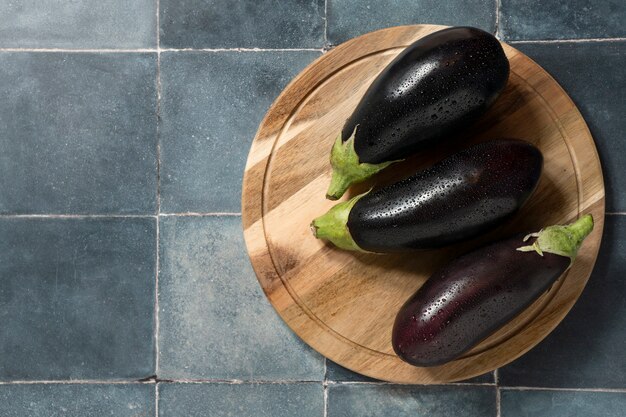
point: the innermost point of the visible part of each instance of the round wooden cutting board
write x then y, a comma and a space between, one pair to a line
343, 304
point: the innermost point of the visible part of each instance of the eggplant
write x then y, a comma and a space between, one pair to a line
476, 294
461, 197
437, 86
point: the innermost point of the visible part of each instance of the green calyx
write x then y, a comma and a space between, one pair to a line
346, 167
333, 225
560, 240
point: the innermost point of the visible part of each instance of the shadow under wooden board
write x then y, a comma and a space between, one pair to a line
343, 304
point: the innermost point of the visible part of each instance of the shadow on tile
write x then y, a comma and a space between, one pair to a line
593, 75
338, 373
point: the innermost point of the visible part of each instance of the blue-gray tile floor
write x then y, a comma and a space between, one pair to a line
125, 288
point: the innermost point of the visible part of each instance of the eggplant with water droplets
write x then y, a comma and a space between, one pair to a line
461, 197
476, 294
437, 86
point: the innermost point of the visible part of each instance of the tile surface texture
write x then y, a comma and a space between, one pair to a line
556, 19
77, 400
78, 133
215, 322
562, 404
243, 400
594, 77
211, 107
85, 24
410, 401
350, 18
242, 24
77, 298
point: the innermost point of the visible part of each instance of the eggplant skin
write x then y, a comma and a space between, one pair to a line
461, 197
435, 87
470, 298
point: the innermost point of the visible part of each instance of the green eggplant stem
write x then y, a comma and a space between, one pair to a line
333, 225
347, 169
563, 240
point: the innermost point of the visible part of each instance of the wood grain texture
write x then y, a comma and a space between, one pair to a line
343, 304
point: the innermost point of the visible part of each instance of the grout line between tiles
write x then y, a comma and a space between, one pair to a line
156, 299
156, 303
191, 214
155, 50
63, 50
496, 379
241, 49
498, 402
79, 382
115, 216
325, 387
77, 216
157, 381
619, 213
235, 381
613, 390
497, 23
325, 24
449, 384
159, 49
158, 233
158, 24
157, 323
325, 382
567, 40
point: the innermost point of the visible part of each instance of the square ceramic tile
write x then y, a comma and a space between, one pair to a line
78, 133
338, 373
77, 298
212, 104
410, 401
77, 400
349, 18
242, 24
85, 24
215, 322
562, 404
557, 19
241, 400
587, 348
593, 75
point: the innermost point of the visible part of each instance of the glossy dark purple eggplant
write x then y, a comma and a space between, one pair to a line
477, 293
461, 197
438, 85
